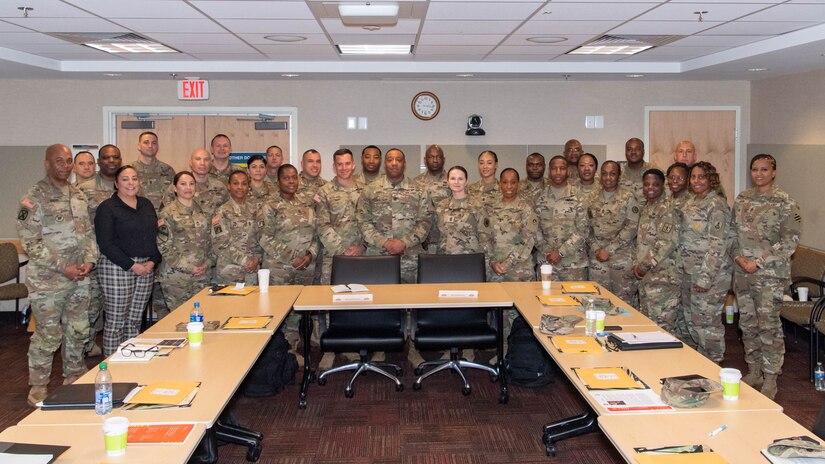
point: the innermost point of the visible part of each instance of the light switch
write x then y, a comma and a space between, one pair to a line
351, 123
589, 122
599, 122
362, 123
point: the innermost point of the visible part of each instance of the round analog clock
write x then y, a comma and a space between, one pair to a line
425, 106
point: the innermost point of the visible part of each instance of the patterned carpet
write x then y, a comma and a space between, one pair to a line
436, 425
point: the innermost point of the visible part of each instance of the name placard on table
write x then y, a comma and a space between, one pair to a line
351, 297
458, 293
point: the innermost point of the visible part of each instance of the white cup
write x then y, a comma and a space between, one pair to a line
263, 280
546, 271
115, 432
195, 333
730, 383
803, 293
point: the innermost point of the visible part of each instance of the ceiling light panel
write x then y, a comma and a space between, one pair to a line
135, 9
254, 9
375, 49
482, 11
123, 47
403, 26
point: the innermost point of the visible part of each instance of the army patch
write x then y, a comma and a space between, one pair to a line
22, 214
717, 226
797, 217
486, 222
635, 210
27, 203
59, 218
260, 223
218, 230
216, 219
666, 228
163, 233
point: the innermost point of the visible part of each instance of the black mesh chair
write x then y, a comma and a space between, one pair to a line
453, 329
365, 331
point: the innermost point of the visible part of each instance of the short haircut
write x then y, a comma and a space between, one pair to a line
237, 172
140, 137
458, 168
274, 146
618, 166
500, 176
284, 167
557, 157
219, 136
371, 146
93, 156
538, 155
341, 152
654, 172
311, 150
108, 145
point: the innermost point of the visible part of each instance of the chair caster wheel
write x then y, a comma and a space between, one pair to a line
503, 398
466, 391
417, 386
493, 378
322, 380
302, 404
418, 371
399, 387
348, 393
551, 450
254, 454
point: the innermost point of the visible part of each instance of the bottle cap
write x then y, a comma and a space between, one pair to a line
103, 365
197, 304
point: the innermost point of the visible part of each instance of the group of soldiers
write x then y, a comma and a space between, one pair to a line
585, 222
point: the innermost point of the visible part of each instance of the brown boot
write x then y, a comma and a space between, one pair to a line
70, 379
327, 360
754, 378
37, 394
769, 387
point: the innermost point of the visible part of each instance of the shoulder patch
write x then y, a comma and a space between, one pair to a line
22, 214
486, 222
718, 225
797, 217
27, 203
161, 223
163, 232
216, 219
667, 228
218, 230
635, 210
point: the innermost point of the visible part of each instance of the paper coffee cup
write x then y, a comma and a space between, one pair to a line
263, 280
195, 330
600, 315
546, 271
803, 293
730, 383
115, 432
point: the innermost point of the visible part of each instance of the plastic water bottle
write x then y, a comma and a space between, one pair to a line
103, 390
590, 317
196, 314
819, 377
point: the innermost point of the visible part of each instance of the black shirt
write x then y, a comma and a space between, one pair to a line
124, 232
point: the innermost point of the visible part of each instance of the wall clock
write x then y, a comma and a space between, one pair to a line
425, 106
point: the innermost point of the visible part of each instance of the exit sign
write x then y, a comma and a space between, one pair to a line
193, 90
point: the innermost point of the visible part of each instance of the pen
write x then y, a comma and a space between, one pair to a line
718, 431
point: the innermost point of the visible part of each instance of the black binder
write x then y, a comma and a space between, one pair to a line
82, 396
622, 345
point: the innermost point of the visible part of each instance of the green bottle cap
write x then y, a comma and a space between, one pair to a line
103, 365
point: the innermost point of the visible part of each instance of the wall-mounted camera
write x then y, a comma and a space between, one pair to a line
474, 125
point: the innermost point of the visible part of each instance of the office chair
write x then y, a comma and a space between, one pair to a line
10, 269
365, 331
453, 329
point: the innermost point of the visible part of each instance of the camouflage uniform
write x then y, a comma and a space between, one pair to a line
437, 189
273, 179
564, 226
656, 255
631, 179
459, 223
614, 219
531, 190
510, 237
309, 188
573, 177
704, 243
399, 211
55, 231
97, 190
184, 242
236, 231
363, 179
155, 180
208, 195
337, 225
222, 175
766, 228
586, 190
262, 194
488, 194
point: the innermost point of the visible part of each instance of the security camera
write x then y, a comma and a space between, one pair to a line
474, 125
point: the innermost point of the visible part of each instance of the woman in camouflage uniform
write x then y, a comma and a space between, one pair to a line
260, 187
185, 243
487, 188
236, 230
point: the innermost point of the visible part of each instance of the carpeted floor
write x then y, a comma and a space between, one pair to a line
436, 425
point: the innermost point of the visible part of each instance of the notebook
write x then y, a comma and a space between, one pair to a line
82, 396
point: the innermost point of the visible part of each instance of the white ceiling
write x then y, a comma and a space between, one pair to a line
223, 39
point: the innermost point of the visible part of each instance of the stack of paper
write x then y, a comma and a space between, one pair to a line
577, 344
558, 300
579, 287
246, 323
159, 434
238, 289
163, 395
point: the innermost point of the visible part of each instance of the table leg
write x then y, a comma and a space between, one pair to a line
553, 432
502, 371
306, 324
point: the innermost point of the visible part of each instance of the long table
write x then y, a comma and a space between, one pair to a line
406, 296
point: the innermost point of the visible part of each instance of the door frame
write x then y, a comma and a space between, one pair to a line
737, 158
110, 114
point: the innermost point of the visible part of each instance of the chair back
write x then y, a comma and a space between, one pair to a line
465, 268
366, 270
9, 266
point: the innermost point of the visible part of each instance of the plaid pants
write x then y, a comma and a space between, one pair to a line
124, 299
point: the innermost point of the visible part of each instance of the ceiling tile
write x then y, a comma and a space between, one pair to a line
194, 38
311, 39
230, 57
452, 49
574, 39
8, 27
62, 47
567, 27
692, 52
164, 57
384, 39
469, 27
215, 48
591, 11
67, 24
545, 50
170, 25
404, 26
135, 9
272, 26
7, 38
82, 56
663, 27
448, 58
42, 9
519, 58
482, 11
255, 9
797, 12
715, 11
293, 51
716, 40
460, 39
762, 28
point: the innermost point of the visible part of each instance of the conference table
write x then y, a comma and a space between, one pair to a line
403, 297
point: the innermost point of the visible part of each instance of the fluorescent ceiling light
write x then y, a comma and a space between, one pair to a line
375, 49
360, 14
609, 49
135, 47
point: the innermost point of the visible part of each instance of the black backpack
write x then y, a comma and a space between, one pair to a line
275, 368
527, 364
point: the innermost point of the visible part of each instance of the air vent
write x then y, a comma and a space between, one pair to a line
82, 38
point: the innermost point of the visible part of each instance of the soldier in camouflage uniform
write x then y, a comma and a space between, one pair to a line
533, 186
656, 263
220, 167
614, 217
99, 188
394, 216
685, 152
434, 182
459, 218
236, 230
677, 181
55, 231
563, 224
310, 182
84, 167
155, 175
274, 160
260, 188
572, 151
634, 168
486, 190
370, 165
184, 242
767, 223
209, 191
704, 244
588, 175
337, 225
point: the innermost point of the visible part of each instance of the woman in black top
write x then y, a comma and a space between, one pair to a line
126, 226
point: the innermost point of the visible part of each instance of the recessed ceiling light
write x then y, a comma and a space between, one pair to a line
375, 49
372, 28
112, 74
546, 39
634, 76
463, 75
131, 47
609, 49
757, 69
285, 38
290, 75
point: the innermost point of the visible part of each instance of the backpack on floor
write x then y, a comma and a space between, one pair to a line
275, 368
527, 364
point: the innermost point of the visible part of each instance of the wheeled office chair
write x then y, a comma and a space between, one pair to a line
453, 329
366, 331
10, 269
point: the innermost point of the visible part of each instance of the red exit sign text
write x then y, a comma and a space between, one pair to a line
193, 90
